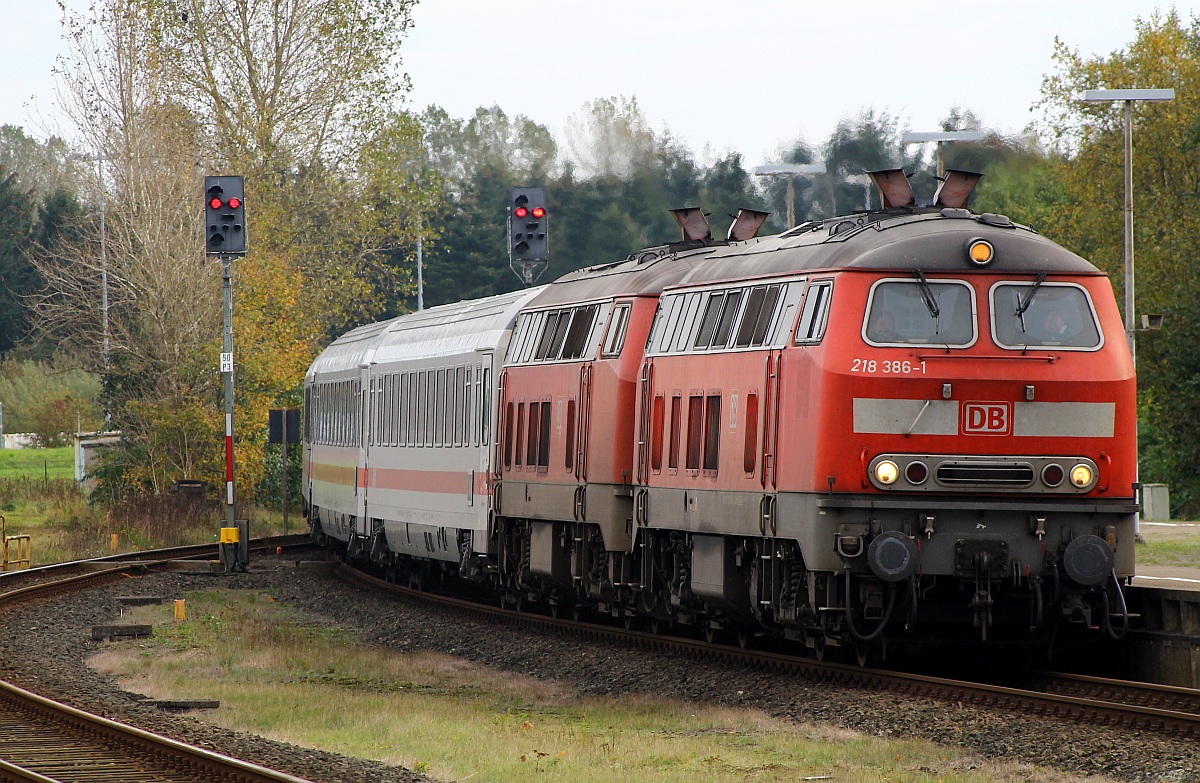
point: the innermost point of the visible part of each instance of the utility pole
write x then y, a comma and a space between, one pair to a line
791, 171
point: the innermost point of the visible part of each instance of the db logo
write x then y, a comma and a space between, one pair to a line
987, 418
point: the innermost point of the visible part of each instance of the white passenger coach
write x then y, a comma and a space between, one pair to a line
427, 491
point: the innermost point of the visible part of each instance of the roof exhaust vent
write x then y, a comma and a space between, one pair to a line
694, 224
956, 188
894, 188
746, 225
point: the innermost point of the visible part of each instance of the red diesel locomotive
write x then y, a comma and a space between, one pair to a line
916, 424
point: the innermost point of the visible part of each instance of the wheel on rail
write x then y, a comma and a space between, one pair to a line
868, 655
745, 635
710, 632
820, 648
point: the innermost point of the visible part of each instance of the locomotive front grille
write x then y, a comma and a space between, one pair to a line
984, 474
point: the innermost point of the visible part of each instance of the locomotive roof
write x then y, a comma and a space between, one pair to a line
932, 240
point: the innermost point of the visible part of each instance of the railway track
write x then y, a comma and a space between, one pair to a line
44, 740
1091, 700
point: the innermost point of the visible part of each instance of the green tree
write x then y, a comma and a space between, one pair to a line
1165, 51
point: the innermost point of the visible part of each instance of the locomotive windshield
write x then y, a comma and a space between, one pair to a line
921, 311
1056, 315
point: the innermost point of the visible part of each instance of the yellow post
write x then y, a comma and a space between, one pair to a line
180, 610
115, 542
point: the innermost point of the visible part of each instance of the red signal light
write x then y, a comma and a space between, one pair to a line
539, 212
235, 202
215, 202
521, 212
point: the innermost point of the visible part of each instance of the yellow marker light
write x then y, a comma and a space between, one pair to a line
886, 472
980, 252
1081, 476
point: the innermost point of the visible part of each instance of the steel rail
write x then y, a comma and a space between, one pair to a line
1082, 709
47, 741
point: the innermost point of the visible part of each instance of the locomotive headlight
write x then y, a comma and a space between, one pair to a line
886, 472
1082, 476
980, 251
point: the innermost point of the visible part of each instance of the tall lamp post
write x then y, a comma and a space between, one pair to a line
941, 137
1129, 96
791, 171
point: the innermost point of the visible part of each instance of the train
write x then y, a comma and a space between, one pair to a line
906, 426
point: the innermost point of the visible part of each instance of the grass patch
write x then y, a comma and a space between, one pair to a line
63, 526
317, 686
38, 463
1169, 546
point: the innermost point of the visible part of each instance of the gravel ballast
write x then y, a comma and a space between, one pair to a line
46, 646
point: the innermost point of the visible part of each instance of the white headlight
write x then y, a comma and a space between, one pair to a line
886, 472
1082, 476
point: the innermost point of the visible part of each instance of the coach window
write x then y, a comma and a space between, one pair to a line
421, 407
909, 311
391, 400
377, 402
393, 411
614, 341
1058, 315
470, 432
485, 405
815, 314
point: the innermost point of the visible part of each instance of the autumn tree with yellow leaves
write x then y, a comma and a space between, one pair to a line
300, 98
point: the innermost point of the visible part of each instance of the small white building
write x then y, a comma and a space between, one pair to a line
87, 448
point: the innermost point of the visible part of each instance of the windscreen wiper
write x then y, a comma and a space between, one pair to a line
1025, 301
927, 293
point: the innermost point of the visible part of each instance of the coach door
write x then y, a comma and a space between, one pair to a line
361, 474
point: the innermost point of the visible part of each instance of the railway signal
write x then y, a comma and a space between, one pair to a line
225, 237
528, 235
225, 216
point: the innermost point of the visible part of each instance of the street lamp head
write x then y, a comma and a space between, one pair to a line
910, 137
789, 169
1101, 96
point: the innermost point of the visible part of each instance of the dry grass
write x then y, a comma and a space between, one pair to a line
312, 685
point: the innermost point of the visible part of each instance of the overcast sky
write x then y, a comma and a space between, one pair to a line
745, 76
